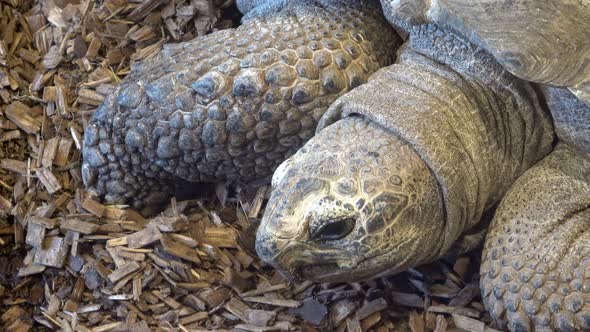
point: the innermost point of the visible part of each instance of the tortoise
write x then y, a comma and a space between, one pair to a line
396, 133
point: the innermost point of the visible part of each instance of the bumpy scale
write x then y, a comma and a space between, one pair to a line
233, 104
535, 266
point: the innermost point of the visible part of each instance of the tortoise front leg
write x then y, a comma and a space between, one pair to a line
119, 174
234, 104
535, 273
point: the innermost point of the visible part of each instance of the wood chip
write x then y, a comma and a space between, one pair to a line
443, 309
52, 252
238, 308
93, 207
143, 238
48, 180
78, 226
371, 308
123, 271
180, 250
196, 317
221, 237
468, 324
274, 302
21, 115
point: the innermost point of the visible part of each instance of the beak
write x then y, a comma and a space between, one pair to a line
292, 257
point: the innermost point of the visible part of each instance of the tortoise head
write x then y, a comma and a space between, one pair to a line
353, 203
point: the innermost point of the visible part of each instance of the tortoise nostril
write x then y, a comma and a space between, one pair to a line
332, 230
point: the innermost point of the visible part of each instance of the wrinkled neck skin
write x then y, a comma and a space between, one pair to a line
257, 8
451, 130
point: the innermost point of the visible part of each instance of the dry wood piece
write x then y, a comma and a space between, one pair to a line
144, 9
115, 213
179, 250
171, 224
5, 205
341, 310
123, 271
255, 328
371, 321
15, 166
468, 324
221, 237
49, 152
63, 151
371, 308
10, 135
233, 279
237, 308
215, 297
143, 238
193, 318
417, 322
265, 290
48, 180
353, 325
93, 207
136, 256
466, 295
443, 309
22, 116
257, 203
78, 226
45, 222
107, 327
93, 48
31, 269
102, 270
73, 302
441, 324
274, 302
35, 235
11, 319
261, 317
52, 252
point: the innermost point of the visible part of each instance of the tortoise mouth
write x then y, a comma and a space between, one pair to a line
299, 261
297, 264
327, 272
322, 272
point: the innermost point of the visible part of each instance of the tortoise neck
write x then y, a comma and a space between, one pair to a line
477, 135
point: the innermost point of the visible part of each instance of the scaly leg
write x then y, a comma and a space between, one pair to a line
234, 104
535, 272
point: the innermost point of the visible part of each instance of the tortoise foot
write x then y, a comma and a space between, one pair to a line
535, 272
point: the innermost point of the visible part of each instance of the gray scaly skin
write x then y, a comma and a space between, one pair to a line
534, 272
535, 265
459, 130
234, 104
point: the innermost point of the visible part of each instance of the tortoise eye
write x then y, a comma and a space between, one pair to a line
332, 230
